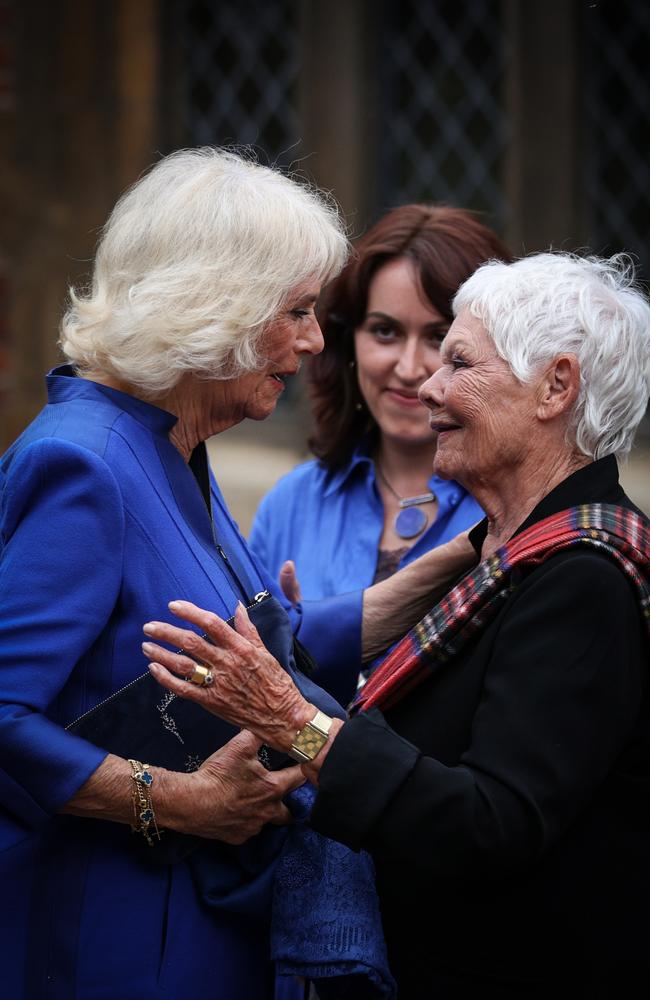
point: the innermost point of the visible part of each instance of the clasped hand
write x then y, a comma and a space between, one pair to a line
233, 796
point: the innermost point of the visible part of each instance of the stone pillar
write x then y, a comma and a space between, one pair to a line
339, 102
544, 192
83, 126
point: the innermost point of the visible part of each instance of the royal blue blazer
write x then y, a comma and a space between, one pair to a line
102, 523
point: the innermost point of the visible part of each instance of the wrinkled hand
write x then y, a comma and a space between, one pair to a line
289, 582
395, 605
249, 688
232, 796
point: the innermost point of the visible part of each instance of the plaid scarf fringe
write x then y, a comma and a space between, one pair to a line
468, 608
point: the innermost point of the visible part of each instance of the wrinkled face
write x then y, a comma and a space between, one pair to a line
484, 417
292, 334
397, 348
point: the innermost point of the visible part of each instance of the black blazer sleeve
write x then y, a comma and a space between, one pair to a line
564, 677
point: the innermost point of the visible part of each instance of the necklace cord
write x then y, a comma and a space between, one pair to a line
419, 498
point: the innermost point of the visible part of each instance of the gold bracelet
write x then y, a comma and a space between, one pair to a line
143, 812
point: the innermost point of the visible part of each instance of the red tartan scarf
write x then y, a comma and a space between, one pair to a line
467, 609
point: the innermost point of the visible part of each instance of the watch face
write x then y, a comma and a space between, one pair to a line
309, 741
311, 738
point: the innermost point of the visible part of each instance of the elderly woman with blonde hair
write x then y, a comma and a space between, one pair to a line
497, 763
201, 306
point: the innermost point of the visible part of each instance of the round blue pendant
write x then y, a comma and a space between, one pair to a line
410, 522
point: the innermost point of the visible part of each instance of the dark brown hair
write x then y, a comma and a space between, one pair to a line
446, 245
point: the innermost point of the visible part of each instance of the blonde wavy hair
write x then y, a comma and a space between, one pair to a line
193, 263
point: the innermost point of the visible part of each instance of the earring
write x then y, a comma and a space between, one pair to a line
358, 407
352, 364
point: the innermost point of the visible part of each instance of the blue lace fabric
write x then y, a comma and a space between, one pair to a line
320, 898
318, 894
325, 923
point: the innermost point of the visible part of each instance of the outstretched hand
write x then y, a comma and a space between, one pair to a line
249, 687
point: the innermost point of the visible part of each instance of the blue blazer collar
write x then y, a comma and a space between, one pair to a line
64, 384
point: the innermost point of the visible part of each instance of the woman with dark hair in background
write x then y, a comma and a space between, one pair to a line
370, 503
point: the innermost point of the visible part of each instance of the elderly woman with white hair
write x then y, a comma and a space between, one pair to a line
497, 763
201, 305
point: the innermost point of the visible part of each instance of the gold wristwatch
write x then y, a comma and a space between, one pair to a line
311, 739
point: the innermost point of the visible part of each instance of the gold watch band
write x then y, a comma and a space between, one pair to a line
311, 739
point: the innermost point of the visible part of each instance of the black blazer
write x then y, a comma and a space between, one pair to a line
508, 797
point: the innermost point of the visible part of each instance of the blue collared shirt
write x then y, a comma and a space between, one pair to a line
330, 524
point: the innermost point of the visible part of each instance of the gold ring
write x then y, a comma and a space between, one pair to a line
201, 676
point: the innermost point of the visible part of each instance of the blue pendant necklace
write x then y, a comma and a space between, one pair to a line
410, 522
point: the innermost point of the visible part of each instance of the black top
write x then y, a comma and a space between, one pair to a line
388, 561
508, 797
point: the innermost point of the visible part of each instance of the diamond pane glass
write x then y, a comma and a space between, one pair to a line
240, 69
443, 65
617, 100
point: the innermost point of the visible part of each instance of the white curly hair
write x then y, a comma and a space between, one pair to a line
551, 303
